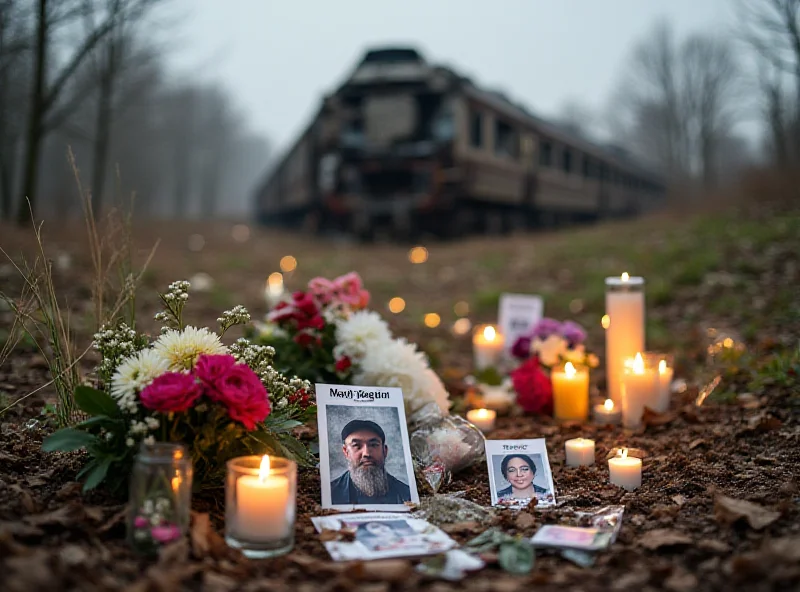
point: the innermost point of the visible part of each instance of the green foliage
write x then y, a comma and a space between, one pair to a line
515, 554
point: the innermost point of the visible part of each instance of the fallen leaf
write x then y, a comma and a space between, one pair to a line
728, 510
64, 516
95, 513
328, 535
215, 582
201, 525
681, 581
679, 499
651, 418
386, 570
72, 555
663, 537
26, 499
174, 553
524, 521
462, 528
695, 443
115, 519
713, 546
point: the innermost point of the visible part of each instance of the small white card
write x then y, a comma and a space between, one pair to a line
519, 471
571, 537
518, 315
381, 536
364, 452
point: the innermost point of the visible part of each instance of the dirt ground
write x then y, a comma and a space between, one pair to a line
719, 506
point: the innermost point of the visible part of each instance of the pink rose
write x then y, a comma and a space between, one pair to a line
171, 392
165, 534
245, 397
210, 369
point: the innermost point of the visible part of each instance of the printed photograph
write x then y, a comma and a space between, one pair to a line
383, 536
365, 458
519, 471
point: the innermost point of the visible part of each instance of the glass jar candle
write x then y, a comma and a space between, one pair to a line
160, 496
260, 505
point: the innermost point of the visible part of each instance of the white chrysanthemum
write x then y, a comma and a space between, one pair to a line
398, 363
360, 333
182, 348
135, 373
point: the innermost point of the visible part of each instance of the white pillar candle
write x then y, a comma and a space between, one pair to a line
580, 451
665, 374
482, 418
625, 331
570, 393
639, 390
487, 347
625, 471
262, 512
607, 413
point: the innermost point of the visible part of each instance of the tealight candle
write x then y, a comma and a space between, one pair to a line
487, 347
607, 413
625, 471
498, 398
639, 386
580, 451
662, 363
570, 393
625, 330
260, 505
482, 418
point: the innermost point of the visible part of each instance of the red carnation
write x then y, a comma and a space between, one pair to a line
343, 364
171, 392
534, 390
244, 395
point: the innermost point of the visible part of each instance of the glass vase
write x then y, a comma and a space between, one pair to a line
160, 497
260, 505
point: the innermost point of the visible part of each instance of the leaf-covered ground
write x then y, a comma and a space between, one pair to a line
719, 508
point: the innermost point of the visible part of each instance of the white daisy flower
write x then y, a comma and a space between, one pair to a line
135, 373
361, 332
182, 348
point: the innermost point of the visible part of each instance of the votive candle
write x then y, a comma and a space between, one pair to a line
482, 418
580, 451
625, 471
570, 393
487, 347
607, 413
639, 390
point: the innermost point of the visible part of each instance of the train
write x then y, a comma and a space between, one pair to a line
405, 148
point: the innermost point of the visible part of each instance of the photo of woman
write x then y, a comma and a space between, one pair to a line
519, 472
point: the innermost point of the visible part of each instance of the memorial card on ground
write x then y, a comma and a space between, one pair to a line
519, 470
571, 537
364, 453
381, 536
518, 315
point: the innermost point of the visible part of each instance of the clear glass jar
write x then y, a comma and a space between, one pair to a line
260, 505
160, 496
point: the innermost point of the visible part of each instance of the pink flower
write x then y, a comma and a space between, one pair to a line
322, 289
534, 390
343, 364
210, 369
140, 522
244, 395
165, 534
171, 392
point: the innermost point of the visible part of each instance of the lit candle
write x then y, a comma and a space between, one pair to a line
625, 471
607, 413
262, 512
665, 373
580, 451
487, 347
625, 330
482, 418
498, 398
570, 393
639, 390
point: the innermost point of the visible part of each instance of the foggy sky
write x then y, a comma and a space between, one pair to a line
278, 57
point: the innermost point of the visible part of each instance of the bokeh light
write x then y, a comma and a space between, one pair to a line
432, 320
461, 308
288, 263
576, 306
397, 305
240, 233
462, 326
418, 255
605, 321
275, 283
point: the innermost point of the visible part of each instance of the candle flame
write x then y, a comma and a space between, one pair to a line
489, 333
263, 471
569, 370
625, 277
176, 483
638, 364
482, 413
623, 453
609, 405
662, 366
605, 321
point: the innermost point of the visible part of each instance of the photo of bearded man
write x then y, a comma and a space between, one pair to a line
366, 480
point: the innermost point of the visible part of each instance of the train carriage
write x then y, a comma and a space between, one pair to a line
404, 147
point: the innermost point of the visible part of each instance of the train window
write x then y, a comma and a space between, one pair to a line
505, 140
566, 163
545, 154
476, 129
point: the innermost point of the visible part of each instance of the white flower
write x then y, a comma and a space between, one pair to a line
361, 332
550, 350
182, 348
269, 329
398, 363
135, 373
149, 440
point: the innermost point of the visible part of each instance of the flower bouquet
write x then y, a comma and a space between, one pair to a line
549, 344
327, 334
186, 387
